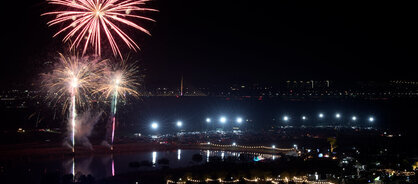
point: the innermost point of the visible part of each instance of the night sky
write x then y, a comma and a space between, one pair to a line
219, 42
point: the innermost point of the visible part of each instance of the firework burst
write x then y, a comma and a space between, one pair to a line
88, 19
119, 81
71, 82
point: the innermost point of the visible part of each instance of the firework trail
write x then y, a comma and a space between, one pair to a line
88, 19
119, 81
71, 82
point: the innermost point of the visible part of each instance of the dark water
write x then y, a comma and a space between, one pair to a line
103, 166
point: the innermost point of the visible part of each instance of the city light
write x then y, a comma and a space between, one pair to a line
154, 158
154, 125
222, 119
321, 115
371, 119
234, 144
338, 115
208, 120
303, 117
354, 118
179, 124
285, 118
239, 120
274, 146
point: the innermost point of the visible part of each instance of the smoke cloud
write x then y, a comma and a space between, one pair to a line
85, 123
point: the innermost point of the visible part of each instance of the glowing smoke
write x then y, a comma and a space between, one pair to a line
85, 123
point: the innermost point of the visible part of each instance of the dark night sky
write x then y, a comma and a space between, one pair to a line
216, 42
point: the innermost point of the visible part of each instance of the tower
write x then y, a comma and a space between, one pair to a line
181, 86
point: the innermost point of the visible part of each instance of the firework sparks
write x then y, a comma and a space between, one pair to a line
121, 79
87, 19
71, 82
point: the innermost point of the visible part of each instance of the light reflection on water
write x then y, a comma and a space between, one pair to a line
113, 165
154, 158
102, 166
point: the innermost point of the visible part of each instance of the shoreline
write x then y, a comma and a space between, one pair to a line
62, 151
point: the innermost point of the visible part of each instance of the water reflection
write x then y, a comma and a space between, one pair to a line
113, 165
73, 170
76, 167
224, 154
154, 157
103, 166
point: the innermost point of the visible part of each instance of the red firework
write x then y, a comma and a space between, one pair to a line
86, 19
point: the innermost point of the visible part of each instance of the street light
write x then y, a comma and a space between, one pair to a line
321, 115
179, 124
354, 118
303, 117
286, 118
222, 119
338, 115
154, 125
371, 119
208, 120
239, 120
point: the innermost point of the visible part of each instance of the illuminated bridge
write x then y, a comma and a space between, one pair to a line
239, 148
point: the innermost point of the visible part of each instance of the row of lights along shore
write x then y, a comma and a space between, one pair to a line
322, 116
239, 120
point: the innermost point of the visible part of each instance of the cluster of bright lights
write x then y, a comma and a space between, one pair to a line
301, 179
321, 116
180, 124
155, 125
240, 120
234, 145
224, 120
